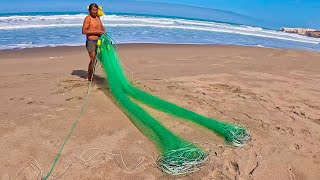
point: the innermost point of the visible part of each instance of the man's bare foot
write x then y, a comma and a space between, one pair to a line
89, 79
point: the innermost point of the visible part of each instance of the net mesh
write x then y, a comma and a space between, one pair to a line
178, 156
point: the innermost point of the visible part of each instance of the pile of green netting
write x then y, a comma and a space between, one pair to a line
178, 156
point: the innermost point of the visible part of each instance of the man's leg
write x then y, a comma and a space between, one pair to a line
92, 56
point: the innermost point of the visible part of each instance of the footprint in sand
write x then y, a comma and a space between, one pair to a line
226, 87
251, 163
306, 133
77, 98
60, 109
172, 87
295, 147
291, 173
297, 111
317, 121
68, 85
265, 126
31, 102
17, 99
51, 116
284, 130
24, 74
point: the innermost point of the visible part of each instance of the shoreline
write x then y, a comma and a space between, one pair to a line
75, 47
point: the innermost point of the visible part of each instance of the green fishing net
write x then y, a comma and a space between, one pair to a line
178, 156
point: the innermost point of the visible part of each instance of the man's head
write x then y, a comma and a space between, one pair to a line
93, 9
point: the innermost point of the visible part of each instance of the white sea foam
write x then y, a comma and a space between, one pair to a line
55, 21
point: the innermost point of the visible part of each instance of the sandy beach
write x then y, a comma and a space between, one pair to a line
273, 92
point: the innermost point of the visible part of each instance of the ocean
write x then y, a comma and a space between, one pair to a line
49, 29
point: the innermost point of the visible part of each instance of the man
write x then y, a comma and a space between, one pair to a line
93, 29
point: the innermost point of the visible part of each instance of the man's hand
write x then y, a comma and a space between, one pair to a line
99, 33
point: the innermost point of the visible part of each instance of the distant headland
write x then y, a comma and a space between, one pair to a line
303, 31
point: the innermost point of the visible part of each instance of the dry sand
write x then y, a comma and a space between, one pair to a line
274, 92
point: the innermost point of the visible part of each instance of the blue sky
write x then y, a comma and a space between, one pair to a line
293, 13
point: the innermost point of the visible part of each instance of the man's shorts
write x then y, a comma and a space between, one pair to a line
91, 45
